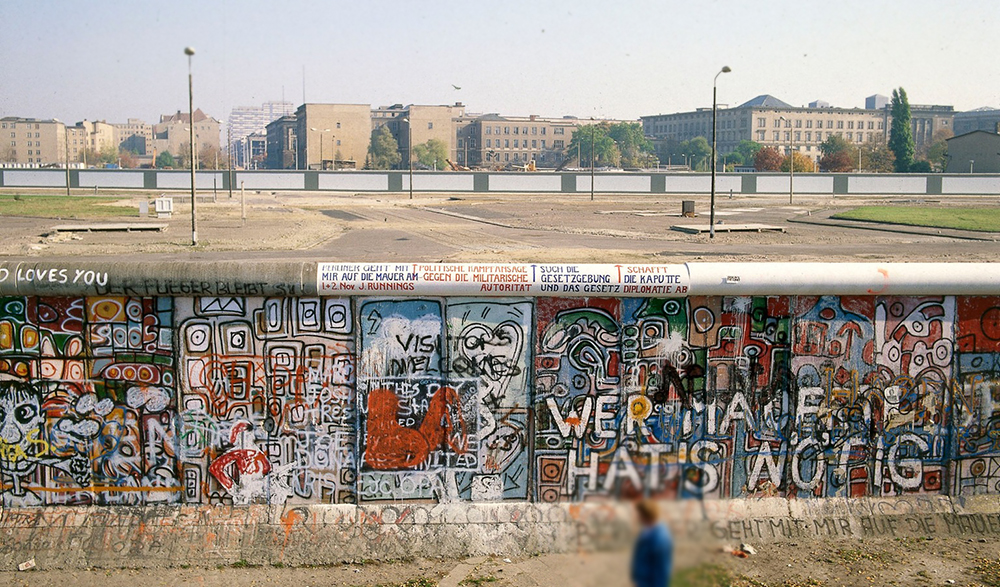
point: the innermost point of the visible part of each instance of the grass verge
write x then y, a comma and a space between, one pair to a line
64, 207
981, 219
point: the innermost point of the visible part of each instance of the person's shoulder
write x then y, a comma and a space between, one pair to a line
662, 532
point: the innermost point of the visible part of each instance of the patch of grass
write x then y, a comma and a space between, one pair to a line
278, 565
64, 207
988, 571
242, 564
981, 219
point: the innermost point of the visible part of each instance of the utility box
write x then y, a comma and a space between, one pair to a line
687, 208
164, 207
143, 208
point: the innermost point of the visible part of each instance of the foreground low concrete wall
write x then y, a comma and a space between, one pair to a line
306, 413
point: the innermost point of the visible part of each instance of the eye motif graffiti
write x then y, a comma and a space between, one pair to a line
243, 400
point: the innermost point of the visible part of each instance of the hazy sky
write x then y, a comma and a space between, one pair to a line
115, 59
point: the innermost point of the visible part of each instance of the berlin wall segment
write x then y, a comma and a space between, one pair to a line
399, 402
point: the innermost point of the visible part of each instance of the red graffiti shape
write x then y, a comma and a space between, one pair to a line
391, 446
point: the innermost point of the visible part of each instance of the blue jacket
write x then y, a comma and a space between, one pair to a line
653, 558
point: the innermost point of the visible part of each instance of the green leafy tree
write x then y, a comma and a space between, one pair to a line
631, 142
699, 153
901, 136
604, 148
165, 159
921, 166
768, 159
746, 151
108, 155
431, 154
383, 151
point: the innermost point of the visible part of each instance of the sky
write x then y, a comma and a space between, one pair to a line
113, 60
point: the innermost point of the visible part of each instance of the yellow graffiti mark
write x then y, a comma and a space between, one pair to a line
13, 453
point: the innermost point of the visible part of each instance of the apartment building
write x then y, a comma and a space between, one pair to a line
135, 135
332, 136
493, 140
30, 142
173, 131
425, 122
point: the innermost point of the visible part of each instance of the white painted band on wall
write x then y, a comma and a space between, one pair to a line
498, 279
642, 280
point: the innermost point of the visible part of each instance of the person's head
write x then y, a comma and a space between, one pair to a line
648, 512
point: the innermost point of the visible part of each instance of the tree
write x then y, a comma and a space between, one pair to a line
383, 151
921, 166
803, 164
604, 149
432, 153
900, 134
128, 159
165, 159
632, 144
767, 159
936, 152
184, 156
747, 150
876, 157
211, 157
838, 155
837, 162
699, 153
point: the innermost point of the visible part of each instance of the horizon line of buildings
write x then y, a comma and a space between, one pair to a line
278, 135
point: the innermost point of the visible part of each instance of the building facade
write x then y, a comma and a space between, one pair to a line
134, 135
249, 120
987, 119
31, 142
281, 143
332, 136
974, 152
171, 134
772, 123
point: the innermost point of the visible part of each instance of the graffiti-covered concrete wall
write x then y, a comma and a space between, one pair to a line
149, 400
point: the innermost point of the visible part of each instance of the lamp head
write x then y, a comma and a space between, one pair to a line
725, 69
189, 51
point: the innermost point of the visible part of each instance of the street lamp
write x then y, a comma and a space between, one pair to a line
791, 161
409, 151
711, 205
592, 129
972, 164
322, 162
189, 51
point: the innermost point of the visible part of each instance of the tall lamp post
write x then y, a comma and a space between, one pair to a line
189, 51
711, 205
592, 129
322, 162
409, 151
791, 161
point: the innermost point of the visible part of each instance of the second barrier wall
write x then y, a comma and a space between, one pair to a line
126, 400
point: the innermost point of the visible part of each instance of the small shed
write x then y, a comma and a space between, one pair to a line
974, 152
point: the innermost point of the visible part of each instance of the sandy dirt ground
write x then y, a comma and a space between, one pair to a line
507, 228
899, 562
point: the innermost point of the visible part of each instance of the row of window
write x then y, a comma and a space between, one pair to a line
490, 130
762, 122
535, 144
777, 136
13, 125
37, 143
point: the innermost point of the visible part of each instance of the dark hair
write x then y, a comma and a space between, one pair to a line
648, 511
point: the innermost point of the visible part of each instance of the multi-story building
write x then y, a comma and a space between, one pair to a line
496, 140
248, 120
134, 135
332, 136
425, 122
770, 122
984, 118
281, 143
30, 142
251, 151
974, 152
171, 133
925, 121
